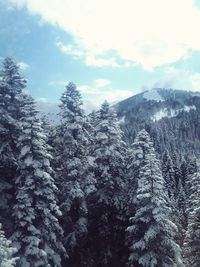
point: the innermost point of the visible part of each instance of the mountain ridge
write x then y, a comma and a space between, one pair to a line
167, 114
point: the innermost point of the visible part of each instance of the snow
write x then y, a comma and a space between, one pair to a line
28, 161
153, 95
169, 113
24, 150
188, 108
122, 120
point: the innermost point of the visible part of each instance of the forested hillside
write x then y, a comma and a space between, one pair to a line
95, 190
170, 116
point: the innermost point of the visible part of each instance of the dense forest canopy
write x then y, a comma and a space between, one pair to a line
118, 187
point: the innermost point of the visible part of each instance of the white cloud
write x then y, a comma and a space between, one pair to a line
70, 50
117, 95
102, 82
149, 33
178, 79
97, 95
42, 100
23, 65
90, 60
58, 83
86, 89
195, 81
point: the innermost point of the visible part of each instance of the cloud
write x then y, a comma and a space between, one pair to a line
195, 81
86, 89
149, 33
90, 59
102, 82
23, 65
69, 49
117, 95
58, 83
42, 100
178, 78
97, 95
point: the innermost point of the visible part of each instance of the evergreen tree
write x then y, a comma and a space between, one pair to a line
169, 174
109, 151
6, 252
192, 239
151, 233
11, 86
75, 179
184, 171
176, 166
189, 188
131, 182
37, 233
179, 213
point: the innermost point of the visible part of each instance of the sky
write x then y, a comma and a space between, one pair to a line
111, 49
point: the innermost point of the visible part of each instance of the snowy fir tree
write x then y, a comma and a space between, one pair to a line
176, 166
151, 233
7, 252
176, 193
74, 177
109, 153
179, 212
37, 234
169, 174
191, 168
192, 239
11, 86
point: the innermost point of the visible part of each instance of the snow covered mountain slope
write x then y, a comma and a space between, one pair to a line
172, 117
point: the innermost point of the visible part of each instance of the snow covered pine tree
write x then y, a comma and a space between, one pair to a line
151, 233
6, 252
192, 239
109, 151
37, 234
11, 85
74, 178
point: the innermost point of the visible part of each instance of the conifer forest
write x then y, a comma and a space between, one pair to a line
118, 187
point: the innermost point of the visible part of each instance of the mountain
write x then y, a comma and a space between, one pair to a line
172, 117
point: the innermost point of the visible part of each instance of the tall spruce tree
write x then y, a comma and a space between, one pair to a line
109, 151
75, 179
11, 86
151, 233
7, 252
37, 233
192, 239
169, 175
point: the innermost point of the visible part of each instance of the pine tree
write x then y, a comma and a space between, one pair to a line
75, 179
11, 86
131, 182
191, 169
180, 214
37, 235
169, 174
151, 233
184, 171
192, 239
176, 166
6, 251
109, 152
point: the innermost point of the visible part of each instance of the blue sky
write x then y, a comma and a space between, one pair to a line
110, 49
